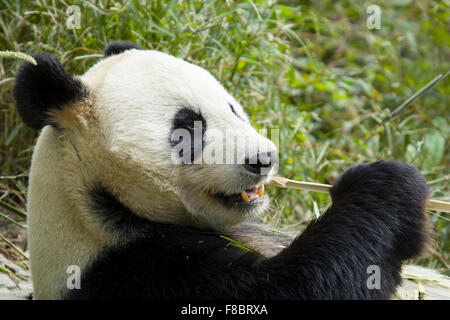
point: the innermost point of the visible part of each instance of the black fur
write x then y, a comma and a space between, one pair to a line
262, 163
189, 120
117, 47
235, 113
44, 87
377, 218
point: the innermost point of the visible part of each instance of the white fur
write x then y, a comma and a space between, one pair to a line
119, 137
58, 236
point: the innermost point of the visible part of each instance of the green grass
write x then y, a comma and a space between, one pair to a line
312, 70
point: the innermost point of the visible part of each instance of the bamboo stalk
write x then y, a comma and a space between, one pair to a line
2, 215
12, 209
13, 246
411, 99
436, 205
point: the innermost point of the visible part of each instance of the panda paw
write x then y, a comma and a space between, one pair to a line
391, 193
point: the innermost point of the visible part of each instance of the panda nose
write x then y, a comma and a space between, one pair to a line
261, 163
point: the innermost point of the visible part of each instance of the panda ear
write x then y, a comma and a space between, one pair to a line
117, 47
43, 88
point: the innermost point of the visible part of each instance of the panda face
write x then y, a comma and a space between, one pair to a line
172, 119
167, 140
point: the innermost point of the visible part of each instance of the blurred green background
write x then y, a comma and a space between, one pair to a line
312, 69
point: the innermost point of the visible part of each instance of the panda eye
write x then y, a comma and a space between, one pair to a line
186, 119
191, 121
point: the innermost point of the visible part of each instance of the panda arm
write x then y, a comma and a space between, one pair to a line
376, 219
375, 222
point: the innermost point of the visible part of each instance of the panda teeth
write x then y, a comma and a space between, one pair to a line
246, 197
260, 191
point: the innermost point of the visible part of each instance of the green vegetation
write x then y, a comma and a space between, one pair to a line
310, 68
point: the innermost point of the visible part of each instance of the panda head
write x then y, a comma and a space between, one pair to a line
160, 134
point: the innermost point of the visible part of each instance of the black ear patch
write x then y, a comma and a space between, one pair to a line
117, 47
41, 88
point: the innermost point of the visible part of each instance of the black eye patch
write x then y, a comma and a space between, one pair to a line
188, 123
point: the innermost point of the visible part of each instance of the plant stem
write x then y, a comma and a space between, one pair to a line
410, 100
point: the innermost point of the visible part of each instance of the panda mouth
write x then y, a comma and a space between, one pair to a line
247, 196
252, 194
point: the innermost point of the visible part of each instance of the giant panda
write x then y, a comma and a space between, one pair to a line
107, 195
